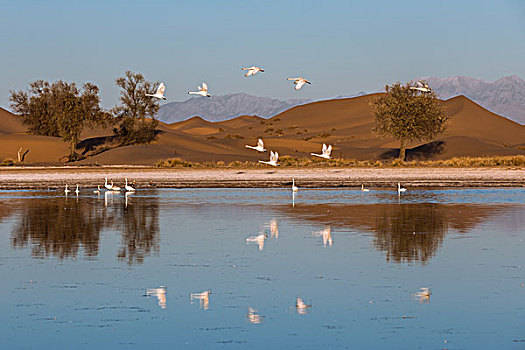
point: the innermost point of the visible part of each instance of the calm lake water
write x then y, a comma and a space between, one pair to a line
254, 268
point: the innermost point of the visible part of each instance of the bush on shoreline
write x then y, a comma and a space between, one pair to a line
289, 161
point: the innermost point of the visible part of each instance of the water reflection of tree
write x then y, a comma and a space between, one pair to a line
139, 224
410, 232
59, 227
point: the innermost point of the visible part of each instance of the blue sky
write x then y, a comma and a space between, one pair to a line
343, 47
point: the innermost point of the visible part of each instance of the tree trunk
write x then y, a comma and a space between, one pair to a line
402, 148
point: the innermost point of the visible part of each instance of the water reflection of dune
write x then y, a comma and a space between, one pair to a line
405, 232
61, 227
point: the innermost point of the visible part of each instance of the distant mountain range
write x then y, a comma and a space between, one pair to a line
505, 96
218, 108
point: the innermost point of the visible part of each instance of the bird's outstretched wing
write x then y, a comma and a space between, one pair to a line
204, 87
260, 143
329, 150
161, 88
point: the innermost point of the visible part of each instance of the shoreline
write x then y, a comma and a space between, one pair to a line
147, 177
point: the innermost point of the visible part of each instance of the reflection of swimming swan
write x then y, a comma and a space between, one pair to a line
294, 188
327, 236
301, 307
126, 195
274, 157
423, 295
259, 147
97, 191
128, 187
203, 298
106, 196
66, 190
273, 225
253, 317
160, 293
327, 150
400, 189
363, 189
259, 240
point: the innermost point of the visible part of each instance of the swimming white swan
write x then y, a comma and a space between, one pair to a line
327, 150
294, 188
66, 190
106, 185
273, 225
259, 240
301, 306
97, 191
421, 86
259, 147
363, 189
327, 236
400, 189
114, 187
160, 92
203, 298
274, 157
203, 91
159, 293
252, 70
299, 82
77, 191
128, 187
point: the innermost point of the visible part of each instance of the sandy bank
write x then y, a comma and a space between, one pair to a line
43, 178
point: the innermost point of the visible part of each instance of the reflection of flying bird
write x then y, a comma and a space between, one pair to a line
252, 70
299, 82
203, 91
423, 295
159, 293
259, 240
400, 189
274, 157
421, 86
159, 93
203, 298
253, 317
301, 306
327, 150
259, 147
363, 189
327, 236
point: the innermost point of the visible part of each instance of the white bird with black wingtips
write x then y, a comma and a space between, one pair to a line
252, 71
274, 157
327, 150
159, 93
203, 91
299, 82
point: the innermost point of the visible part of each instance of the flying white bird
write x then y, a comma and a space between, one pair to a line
66, 190
400, 189
327, 150
294, 188
274, 157
159, 93
421, 86
203, 91
252, 70
299, 82
259, 147
363, 189
128, 187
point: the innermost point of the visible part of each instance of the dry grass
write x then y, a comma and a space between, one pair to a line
289, 161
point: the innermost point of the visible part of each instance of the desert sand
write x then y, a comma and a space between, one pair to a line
345, 123
51, 178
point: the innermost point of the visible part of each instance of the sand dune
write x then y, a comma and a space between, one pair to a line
345, 123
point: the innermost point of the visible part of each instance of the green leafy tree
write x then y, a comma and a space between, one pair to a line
408, 115
59, 109
136, 112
